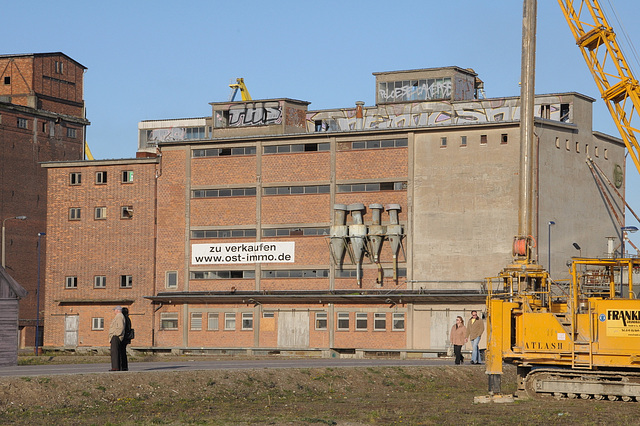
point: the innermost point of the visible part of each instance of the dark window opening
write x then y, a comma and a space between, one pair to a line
545, 111
7, 80
564, 112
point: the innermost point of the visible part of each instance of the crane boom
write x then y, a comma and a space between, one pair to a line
613, 76
239, 85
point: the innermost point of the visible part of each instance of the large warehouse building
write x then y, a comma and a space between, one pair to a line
269, 227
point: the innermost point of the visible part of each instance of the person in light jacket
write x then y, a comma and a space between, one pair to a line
116, 334
458, 337
474, 332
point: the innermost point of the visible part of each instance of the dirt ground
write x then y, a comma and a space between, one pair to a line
332, 396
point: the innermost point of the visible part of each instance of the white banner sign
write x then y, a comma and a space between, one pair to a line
225, 253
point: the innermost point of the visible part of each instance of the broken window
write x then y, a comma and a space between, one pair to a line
126, 281
126, 212
101, 178
564, 112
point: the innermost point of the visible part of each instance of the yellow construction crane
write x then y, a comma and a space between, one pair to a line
87, 152
617, 85
581, 339
239, 85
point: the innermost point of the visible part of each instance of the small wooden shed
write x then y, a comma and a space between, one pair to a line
10, 293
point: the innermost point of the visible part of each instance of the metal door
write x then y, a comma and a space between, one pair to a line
71, 330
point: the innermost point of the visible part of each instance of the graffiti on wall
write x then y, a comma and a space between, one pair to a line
427, 114
255, 114
167, 135
416, 90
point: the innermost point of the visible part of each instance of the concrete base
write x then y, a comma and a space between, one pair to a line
498, 399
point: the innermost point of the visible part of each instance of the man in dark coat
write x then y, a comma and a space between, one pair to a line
124, 363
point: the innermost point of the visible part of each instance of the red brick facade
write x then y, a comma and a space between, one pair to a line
99, 244
41, 119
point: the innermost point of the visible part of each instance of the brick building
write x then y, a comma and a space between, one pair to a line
42, 118
280, 228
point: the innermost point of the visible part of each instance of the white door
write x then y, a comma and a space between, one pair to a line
293, 329
71, 330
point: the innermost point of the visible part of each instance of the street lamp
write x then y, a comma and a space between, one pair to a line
623, 234
549, 224
3, 240
40, 234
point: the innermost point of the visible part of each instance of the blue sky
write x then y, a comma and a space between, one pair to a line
157, 59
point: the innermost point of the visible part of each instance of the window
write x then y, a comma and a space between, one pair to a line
361, 321
212, 321
224, 233
379, 321
373, 187
74, 213
352, 273
567, 145
414, 90
377, 144
196, 320
247, 320
169, 321
557, 142
301, 147
127, 176
101, 178
71, 132
22, 123
343, 321
71, 282
126, 212
97, 323
222, 275
483, 139
443, 142
99, 281
100, 213
606, 154
194, 133
287, 190
229, 321
268, 315
59, 67
126, 281
75, 178
296, 273
223, 152
398, 322
171, 279
215, 193
577, 146
286, 232
545, 111
463, 141
7, 80
504, 138
564, 112
321, 320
